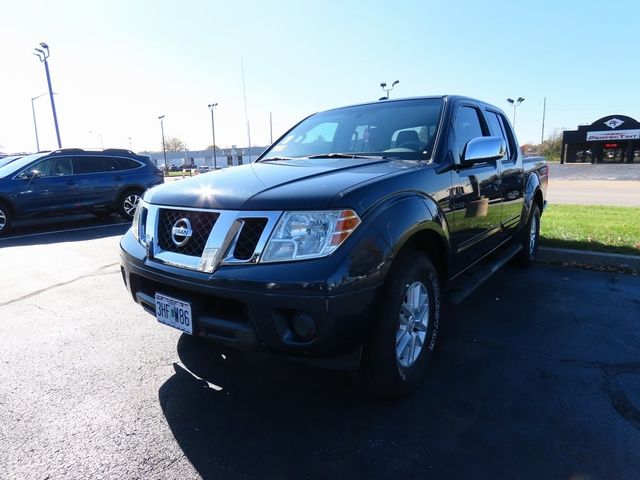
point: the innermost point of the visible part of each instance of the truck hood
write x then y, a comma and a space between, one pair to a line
275, 185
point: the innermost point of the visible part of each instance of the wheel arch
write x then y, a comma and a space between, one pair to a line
5, 201
416, 223
532, 195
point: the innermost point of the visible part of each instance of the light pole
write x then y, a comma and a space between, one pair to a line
515, 103
164, 150
383, 85
213, 133
43, 55
35, 125
100, 135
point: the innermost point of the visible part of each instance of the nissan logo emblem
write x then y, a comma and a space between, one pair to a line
181, 232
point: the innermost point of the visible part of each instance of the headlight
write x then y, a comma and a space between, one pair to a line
303, 235
138, 225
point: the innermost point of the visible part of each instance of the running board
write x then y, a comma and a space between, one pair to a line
465, 286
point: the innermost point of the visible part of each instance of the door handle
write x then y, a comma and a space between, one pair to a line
117, 177
70, 182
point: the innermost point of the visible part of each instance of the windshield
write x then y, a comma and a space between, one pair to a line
403, 129
6, 160
12, 167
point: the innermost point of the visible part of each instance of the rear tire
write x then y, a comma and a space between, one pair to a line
397, 356
128, 203
530, 238
5, 218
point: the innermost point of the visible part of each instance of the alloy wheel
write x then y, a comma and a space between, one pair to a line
413, 324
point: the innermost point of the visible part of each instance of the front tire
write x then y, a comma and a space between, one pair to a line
530, 238
398, 353
5, 219
128, 203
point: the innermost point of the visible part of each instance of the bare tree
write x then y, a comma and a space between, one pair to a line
174, 144
551, 147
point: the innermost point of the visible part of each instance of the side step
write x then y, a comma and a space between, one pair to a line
467, 283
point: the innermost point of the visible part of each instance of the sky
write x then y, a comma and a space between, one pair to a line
118, 65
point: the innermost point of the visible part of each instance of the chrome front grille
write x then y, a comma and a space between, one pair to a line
217, 237
201, 225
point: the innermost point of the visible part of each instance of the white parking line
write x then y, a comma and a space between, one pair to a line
60, 231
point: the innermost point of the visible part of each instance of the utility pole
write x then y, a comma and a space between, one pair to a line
244, 93
544, 113
270, 129
43, 55
213, 133
164, 150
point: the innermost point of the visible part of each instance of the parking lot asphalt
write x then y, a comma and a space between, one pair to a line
537, 376
602, 184
586, 171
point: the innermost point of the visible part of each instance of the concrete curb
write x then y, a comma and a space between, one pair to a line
588, 258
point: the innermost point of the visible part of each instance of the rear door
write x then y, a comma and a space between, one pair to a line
100, 180
476, 193
512, 173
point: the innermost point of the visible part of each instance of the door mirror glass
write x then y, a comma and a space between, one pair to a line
483, 149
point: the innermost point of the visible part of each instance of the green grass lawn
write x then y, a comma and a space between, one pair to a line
591, 227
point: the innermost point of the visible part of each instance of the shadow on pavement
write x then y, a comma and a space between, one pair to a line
497, 402
71, 228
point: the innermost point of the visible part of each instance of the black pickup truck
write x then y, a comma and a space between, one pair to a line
341, 241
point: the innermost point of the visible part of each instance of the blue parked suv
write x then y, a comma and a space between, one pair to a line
72, 180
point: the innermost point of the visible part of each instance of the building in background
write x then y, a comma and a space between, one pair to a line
612, 139
225, 157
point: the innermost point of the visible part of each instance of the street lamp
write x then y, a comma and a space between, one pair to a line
164, 150
515, 103
43, 55
383, 85
33, 112
213, 133
100, 135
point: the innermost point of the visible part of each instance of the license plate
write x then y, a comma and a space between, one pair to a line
175, 313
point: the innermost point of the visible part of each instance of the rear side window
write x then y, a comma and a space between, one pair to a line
495, 125
467, 126
126, 163
95, 164
511, 139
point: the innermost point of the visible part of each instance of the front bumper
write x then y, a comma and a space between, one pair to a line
251, 307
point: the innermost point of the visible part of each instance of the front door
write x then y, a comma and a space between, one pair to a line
476, 195
54, 188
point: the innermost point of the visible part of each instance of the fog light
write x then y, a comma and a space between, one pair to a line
304, 326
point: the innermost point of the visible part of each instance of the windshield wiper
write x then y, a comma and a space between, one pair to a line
348, 155
279, 159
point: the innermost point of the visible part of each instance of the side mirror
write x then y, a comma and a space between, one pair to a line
483, 149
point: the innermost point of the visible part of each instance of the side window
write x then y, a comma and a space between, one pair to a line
467, 126
496, 129
61, 166
95, 164
128, 164
42, 167
511, 139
